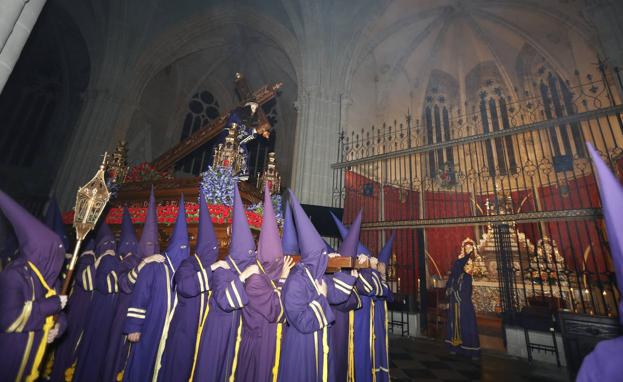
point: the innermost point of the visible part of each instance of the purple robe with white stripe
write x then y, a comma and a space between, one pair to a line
95, 339
76, 311
152, 300
306, 351
118, 346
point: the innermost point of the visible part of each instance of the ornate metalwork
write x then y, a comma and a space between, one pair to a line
118, 165
270, 176
227, 154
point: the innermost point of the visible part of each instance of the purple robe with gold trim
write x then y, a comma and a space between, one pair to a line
262, 318
343, 349
23, 311
461, 330
220, 340
381, 351
192, 283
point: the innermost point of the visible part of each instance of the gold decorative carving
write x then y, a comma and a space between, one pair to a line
270, 176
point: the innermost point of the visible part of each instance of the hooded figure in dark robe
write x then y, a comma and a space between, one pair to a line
343, 331
219, 345
193, 288
153, 300
604, 362
77, 309
263, 316
94, 342
461, 329
368, 287
381, 344
129, 256
306, 351
28, 299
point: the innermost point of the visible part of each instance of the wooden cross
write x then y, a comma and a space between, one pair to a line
202, 136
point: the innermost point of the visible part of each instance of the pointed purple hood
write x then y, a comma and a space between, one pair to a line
54, 221
242, 247
313, 249
104, 239
289, 240
37, 243
127, 240
207, 243
179, 248
611, 193
350, 242
150, 242
89, 246
269, 251
386, 252
361, 249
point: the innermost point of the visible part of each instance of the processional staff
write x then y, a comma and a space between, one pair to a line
90, 202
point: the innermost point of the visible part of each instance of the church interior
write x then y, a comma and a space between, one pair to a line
450, 124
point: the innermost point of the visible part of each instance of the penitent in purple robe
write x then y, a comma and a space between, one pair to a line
342, 333
381, 345
306, 351
220, 341
380, 362
343, 329
461, 329
364, 326
604, 362
27, 299
127, 268
76, 311
95, 338
153, 301
263, 316
193, 287
367, 288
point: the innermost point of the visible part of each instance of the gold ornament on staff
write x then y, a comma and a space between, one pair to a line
90, 202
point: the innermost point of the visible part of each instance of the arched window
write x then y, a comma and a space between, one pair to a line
203, 108
500, 151
437, 122
558, 102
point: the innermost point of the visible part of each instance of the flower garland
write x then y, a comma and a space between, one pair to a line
167, 214
146, 172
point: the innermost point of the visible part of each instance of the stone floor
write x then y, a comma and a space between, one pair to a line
419, 359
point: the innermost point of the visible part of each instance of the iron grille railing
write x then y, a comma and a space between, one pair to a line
513, 175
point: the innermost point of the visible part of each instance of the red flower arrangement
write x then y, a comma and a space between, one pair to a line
167, 214
144, 172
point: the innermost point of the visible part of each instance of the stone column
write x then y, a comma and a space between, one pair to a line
18, 33
9, 13
93, 136
316, 145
